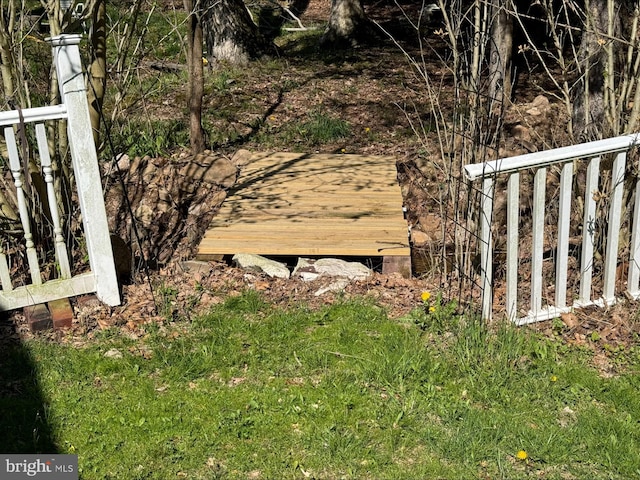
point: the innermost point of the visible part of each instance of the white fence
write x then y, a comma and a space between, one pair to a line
564, 158
101, 278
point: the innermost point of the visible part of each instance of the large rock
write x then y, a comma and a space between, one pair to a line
418, 237
211, 169
309, 269
261, 264
336, 286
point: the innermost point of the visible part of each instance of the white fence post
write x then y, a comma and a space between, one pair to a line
85, 164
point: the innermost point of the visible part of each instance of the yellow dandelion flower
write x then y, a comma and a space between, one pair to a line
425, 296
522, 455
367, 130
343, 150
432, 309
554, 378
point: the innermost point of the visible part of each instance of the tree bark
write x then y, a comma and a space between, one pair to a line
501, 56
195, 89
98, 69
348, 25
588, 103
230, 33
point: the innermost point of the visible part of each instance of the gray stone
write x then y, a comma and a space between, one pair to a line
209, 168
261, 264
222, 172
113, 353
337, 286
309, 269
196, 266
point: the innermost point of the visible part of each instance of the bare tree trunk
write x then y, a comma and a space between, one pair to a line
230, 33
196, 79
8, 61
98, 70
588, 103
500, 55
348, 24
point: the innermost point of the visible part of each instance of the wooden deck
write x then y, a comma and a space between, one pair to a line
313, 205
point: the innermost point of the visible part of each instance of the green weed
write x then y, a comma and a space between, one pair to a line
320, 128
154, 138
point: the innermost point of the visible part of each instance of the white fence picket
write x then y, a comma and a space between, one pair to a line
5, 274
564, 221
486, 244
513, 224
615, 212
45, 161
18, 179
633, 282
539, 192
592, 153
588, 231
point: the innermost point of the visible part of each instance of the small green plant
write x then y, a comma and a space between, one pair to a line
249, 302
167, 305
153, 138
435, 314
320, 128
221, 81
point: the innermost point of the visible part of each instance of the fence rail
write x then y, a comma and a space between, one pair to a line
564, 157
101, 278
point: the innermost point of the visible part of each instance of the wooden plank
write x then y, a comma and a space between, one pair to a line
346, 250
241, 244
320, 204
333, 197
52, 290
251, 220
241, 231
240, 217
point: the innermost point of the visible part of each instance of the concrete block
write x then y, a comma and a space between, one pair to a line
38, 317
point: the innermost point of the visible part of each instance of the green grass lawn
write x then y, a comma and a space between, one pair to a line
252, 391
